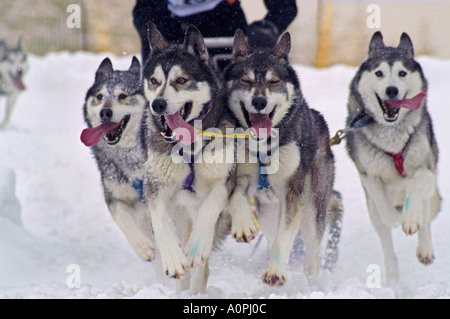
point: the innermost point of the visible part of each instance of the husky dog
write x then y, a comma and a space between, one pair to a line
264, 94
392, 143
113, 110
13, 65
185, 198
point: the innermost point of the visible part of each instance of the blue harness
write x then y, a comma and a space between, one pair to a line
263, 182
137, 185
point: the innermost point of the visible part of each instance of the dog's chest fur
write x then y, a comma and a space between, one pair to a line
162, 169
116, 163
375, 144
288, 163
280, 169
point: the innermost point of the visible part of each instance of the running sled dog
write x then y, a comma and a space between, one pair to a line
392, 144
13, 66
292, 180
188, 185
113, 111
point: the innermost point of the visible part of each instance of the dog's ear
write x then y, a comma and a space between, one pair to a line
195, 44
155, 38
241, 48
376, 43
135, 66
104, 69
283, 47
406, 45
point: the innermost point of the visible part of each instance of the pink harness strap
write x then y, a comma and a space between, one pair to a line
399, 159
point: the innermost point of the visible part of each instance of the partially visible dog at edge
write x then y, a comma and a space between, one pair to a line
392, 144
13, 66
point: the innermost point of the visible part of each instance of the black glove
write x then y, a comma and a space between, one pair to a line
262, 34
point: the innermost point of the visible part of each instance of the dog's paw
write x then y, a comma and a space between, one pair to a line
274, 279
411, 224
146, 250
198, 251
243, 228
245, 234
175, 264
426, 257
275, 274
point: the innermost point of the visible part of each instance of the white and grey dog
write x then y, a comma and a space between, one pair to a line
113, 111
13, 65
392, 143
186, 198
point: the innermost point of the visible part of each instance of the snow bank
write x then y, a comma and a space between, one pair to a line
53, 214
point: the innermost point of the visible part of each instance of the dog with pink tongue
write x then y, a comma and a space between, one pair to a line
189, 176
392, 143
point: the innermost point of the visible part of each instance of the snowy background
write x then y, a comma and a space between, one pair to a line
52, 211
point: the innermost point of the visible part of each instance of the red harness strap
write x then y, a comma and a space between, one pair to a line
231, 1
399, 158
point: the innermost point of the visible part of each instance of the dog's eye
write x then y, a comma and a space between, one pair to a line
154, 81
274, 82
122, 96
379, 74
402, 74
245, 82
181, 80
99, 97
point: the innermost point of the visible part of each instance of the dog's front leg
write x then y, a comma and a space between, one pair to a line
9, 106
174, 260
376, 190
385, 235
133, 223
288, 227
416, 212
202, 236
382, 221
420, 188
243, 228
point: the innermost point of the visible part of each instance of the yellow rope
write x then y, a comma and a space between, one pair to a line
254, 214
234, 135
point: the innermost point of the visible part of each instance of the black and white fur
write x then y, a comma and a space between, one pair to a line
179, 78
114, 97
13, 66
262, 81
390, 74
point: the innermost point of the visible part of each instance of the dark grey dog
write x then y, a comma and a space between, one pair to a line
292, 182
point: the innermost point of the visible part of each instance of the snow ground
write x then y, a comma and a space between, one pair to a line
57, 216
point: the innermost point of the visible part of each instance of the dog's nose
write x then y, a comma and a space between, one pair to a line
106, 114
259, 103
391, 92
159, 105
